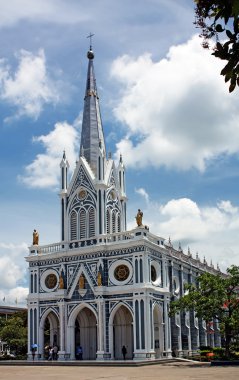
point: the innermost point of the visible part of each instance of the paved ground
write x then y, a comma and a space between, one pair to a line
174, 371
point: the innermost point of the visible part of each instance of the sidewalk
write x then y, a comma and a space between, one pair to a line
174, 371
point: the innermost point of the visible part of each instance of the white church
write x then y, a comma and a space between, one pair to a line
103, 287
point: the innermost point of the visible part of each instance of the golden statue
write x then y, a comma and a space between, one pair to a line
139, 218
99, 279
82, 281
61, 283
35, 237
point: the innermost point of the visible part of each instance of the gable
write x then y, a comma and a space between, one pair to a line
81, 178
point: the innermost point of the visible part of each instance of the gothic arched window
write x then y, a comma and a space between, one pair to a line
118, 222
113, 222
82, 223
108, 221
73, 225
91, 222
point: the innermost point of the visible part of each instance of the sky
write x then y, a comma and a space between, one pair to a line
164, 107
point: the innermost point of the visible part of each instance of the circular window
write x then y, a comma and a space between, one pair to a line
82, 194
121, 273
155, 269
51, 281
153, 274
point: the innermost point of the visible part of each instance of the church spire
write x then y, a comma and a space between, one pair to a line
92, 136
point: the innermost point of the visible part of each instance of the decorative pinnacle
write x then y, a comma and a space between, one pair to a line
90, 53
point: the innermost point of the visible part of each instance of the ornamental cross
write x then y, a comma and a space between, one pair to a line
90, 37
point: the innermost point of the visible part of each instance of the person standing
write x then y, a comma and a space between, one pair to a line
33, 349
124, 352
79, 352
50, 357
55, 351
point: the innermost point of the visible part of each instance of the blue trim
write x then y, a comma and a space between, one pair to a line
100, 213
142, 324
141, 270
31, 327
137, 323
136, 271
35, 326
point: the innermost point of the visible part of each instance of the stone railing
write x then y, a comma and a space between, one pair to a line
119, 237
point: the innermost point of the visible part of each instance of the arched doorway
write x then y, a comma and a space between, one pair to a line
50, 333
123, 333
158, 331
86, 333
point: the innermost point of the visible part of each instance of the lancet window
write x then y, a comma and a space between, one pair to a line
82, 224
91, 222
73, 225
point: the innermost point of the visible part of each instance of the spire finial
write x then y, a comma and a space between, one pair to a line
90, 37
90, 53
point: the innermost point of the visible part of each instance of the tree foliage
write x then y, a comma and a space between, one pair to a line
220, 18
13, 331
214, 297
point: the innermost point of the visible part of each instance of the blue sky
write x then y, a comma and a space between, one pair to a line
164, 107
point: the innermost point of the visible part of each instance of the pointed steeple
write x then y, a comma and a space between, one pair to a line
92, 136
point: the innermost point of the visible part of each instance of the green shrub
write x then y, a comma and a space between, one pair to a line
219, 352
204, 352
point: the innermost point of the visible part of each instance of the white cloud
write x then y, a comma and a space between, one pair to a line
211, 231
13, 273
30, 87
47, 10
185, 220
177, 111
44, 171
227, 207
143, 193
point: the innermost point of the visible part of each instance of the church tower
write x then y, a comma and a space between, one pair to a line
94, 203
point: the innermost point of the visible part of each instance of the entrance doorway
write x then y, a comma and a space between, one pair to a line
86, 333
123, 333
51, 334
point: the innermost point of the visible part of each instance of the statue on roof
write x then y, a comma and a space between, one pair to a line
139, 218
35, 237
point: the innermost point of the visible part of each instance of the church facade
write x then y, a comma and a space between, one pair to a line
103, 287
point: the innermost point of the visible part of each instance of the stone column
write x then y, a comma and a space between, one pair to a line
148, 329
100, 328
167, 330
61, 352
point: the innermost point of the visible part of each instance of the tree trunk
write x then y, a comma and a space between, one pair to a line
228, 336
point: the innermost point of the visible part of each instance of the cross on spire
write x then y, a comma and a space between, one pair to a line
90, 37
